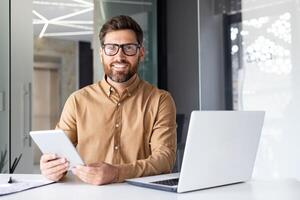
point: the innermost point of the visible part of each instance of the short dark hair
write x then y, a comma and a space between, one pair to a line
121, 22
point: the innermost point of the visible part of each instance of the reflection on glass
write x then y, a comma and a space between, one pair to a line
265, 76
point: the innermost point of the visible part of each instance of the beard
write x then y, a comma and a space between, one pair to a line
120, 76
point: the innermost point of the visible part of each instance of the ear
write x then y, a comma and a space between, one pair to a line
101, 54
142, 53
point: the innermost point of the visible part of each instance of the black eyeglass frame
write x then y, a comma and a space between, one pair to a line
138, 46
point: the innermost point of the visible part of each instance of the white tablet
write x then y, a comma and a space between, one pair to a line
57, 142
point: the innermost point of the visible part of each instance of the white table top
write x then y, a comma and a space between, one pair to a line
71, 188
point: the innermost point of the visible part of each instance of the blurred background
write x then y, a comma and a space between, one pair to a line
209, 54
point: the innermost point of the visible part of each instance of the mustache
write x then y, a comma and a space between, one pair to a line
120, 62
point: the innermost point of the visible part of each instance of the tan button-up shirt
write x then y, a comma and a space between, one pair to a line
135, 132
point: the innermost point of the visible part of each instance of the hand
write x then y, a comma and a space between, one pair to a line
97, 173
52, 167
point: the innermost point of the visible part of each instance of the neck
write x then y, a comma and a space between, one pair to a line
120, 87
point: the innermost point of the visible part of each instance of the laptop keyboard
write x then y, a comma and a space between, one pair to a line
169, 182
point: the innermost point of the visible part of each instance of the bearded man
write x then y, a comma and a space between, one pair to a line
122, 126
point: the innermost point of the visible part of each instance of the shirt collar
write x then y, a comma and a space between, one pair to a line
110, 89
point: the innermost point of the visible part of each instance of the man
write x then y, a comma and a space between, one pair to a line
122, 127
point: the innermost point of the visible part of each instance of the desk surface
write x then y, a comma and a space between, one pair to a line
72, 188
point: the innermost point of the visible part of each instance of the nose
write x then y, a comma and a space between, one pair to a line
120, 56
120, 53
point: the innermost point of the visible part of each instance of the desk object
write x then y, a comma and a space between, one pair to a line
10, 184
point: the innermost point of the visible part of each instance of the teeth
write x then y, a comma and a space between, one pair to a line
120, 65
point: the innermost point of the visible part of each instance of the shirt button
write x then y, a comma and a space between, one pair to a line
129, 94
117, 125
116, 147
118, 104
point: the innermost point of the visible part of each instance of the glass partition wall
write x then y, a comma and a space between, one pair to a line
264, 38
4, 86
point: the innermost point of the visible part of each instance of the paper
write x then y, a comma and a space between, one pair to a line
21, 185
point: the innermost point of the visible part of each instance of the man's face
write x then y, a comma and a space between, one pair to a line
121, 67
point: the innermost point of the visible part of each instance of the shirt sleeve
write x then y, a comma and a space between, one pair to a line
67, 121
162, 144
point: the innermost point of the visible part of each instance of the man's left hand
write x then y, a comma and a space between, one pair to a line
97, 173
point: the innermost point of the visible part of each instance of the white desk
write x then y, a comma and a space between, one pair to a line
72, 188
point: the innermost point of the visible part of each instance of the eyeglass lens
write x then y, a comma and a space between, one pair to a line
113, 49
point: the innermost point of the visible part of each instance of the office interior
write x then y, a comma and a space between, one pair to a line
209, 54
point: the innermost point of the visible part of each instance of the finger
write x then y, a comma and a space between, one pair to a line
52, 164
54, 170
47, 157
57, 175
80, 175
84, 176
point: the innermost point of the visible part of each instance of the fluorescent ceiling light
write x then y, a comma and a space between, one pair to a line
60, 21
43, 30
73, 26
40, 16
60, 4
69, 33
38, 21
129, 2
84, 2
72, 14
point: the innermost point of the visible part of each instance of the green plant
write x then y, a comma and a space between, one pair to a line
3, 161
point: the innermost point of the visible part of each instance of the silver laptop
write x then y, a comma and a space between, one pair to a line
220, 149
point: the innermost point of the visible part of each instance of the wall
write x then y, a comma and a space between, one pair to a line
67, 52
183, 57
211, 58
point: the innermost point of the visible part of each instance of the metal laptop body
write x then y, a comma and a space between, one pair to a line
220, 149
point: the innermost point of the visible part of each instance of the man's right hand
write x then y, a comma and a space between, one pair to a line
52, 167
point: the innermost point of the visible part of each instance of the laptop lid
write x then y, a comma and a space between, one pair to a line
220, 149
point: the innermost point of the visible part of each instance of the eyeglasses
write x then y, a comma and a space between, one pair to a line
129, 49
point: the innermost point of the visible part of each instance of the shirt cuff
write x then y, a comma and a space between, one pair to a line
125, 171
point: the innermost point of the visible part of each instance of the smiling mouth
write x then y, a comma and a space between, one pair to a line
119, 66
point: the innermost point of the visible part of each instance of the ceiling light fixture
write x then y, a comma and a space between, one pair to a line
84, 2
72, 14
72, 26
69, 33
38, 21
43, 30
60, 21
47, 3
129, 2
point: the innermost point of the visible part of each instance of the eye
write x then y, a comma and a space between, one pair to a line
129, 47
111, 47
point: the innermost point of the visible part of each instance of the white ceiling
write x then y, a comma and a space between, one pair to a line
64, 19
